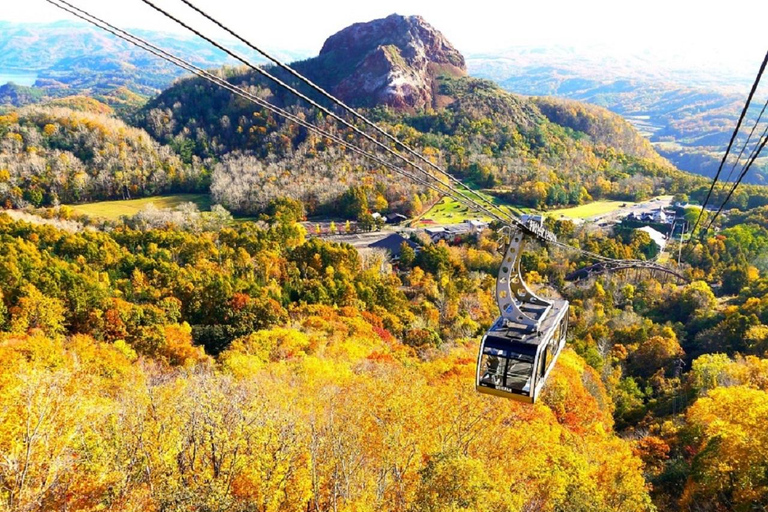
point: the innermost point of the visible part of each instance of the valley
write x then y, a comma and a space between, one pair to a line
206, 305
686, 113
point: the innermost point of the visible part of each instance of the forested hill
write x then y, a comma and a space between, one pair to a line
74, 150
686, 106
533, 153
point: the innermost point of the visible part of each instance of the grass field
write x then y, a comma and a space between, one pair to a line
586, 211
449, 211
113, 210
596, 208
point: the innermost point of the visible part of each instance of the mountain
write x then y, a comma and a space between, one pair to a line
405, 75
686, 108
13, 94
75, 58
394, 61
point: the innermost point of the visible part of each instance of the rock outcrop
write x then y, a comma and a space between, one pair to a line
393, 61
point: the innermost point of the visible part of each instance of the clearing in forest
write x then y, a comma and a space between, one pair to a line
113, 210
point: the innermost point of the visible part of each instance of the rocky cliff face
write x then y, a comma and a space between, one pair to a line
393, 61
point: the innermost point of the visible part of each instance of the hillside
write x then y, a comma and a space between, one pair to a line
74, 150
687, 110
312, 381
517, 147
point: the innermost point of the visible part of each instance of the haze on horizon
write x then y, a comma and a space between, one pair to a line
683, 33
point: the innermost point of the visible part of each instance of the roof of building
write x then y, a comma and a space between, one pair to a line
398, 217
392, 244
536, 217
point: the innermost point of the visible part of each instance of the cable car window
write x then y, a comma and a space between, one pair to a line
492, 367
519, 372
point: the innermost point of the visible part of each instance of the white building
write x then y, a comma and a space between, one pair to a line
476, 226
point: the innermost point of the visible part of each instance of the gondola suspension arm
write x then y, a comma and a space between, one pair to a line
517, 303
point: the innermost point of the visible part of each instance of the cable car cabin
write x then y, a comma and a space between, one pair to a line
518, 352
514, 362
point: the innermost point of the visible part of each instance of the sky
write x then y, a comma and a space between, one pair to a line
700, 32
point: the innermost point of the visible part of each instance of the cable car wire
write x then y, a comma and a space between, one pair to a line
506, 218
159, 52
744, 147
434, 184
340, 103
733, 137
522, 386
293, 90
753, 156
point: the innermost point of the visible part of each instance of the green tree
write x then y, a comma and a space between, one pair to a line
407, 255
735, 277
353, 202
366, 222
285, 209
434, 258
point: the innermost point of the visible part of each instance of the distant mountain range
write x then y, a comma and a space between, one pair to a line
687, 109
73, 58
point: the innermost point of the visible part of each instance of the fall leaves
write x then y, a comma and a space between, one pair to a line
295, 419
51, 154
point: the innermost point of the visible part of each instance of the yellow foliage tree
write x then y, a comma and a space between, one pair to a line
731, 463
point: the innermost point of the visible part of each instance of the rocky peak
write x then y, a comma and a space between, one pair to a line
393, 61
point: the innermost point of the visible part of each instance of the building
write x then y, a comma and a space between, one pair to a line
393, 244
436, 233
530, 217
476, 226
660, 217
453, 231
395, 218
652, 217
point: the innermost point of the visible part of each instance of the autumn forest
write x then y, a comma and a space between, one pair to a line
238, 357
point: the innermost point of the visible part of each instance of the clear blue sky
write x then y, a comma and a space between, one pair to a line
695, 29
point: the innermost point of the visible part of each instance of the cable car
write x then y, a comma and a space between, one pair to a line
520, 349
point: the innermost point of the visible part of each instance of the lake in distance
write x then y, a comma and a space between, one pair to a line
18, 77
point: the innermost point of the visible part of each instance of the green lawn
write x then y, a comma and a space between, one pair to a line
596, 208
113, 210
585, 211
449, 211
